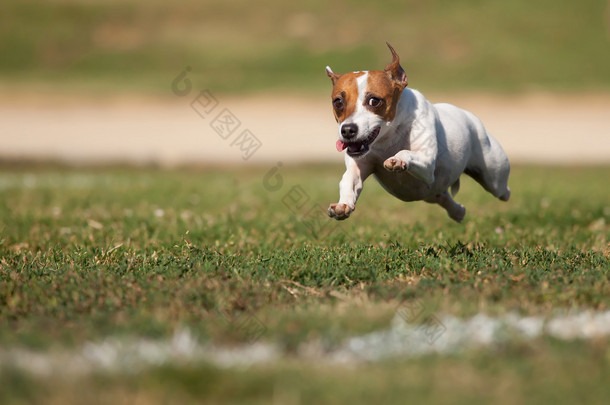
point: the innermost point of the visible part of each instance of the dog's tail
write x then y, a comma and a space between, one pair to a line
455, 187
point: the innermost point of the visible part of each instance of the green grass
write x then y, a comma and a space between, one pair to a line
90, 253
237, 46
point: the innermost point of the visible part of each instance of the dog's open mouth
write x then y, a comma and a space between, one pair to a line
358, 148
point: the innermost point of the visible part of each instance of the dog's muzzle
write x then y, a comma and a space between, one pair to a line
358, 148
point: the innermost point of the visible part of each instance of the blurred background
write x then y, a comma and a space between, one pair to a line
95, 80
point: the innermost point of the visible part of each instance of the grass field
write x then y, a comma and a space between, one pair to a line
145, 286
118, 252
237, 46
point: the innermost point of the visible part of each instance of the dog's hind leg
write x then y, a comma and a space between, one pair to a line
455, 210
490, 168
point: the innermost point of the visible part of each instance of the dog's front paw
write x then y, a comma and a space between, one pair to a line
339, 211
394, 164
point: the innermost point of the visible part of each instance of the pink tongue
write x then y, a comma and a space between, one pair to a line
341, 145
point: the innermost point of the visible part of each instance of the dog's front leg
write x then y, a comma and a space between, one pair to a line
420, 164
349, 189
420, 159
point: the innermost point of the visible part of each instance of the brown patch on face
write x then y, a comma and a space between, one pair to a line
380, 86
382, 93
345, 95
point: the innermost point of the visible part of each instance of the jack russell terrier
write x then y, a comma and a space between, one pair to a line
417, 150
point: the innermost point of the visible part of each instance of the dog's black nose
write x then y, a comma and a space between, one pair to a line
349, 131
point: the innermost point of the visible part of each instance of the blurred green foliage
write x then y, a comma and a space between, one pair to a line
236, 46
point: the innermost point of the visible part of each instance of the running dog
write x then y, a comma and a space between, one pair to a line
417, 150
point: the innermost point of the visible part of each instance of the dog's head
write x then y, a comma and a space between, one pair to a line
365, 102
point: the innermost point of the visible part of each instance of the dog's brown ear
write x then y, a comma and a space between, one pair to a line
333, 76
394, 69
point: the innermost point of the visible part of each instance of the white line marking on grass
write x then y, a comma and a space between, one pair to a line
131, 356
480, 331
402, 339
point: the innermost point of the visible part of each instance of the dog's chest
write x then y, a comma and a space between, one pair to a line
402, 185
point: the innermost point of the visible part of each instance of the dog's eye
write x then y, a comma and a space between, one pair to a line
338, 103
375, 102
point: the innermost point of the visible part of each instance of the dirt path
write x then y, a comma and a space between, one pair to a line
535, 128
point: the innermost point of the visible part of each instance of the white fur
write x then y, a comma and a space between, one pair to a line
422, 153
